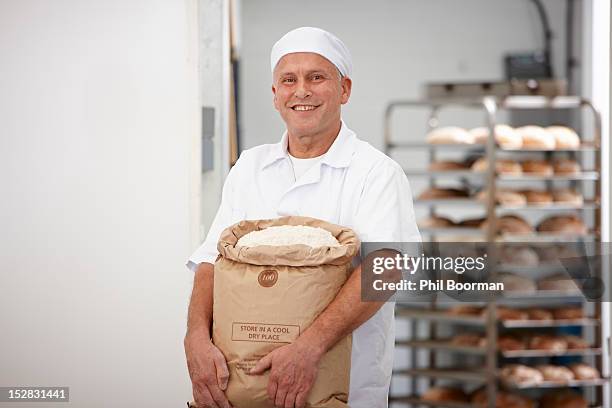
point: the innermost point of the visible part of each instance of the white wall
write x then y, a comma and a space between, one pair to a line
396, 45
98, 113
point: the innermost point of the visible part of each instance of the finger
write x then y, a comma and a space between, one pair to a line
300, 400
203, 398
290, 400
281, 393
222, 371
272, 386
219, 397
262, 365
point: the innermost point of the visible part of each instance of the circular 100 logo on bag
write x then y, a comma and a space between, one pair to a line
267, 277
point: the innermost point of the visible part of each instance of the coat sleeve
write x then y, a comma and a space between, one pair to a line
385, 212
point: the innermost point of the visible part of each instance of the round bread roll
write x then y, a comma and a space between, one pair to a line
535, 313
464, 310
536, 137
502, 166
584, 372
556, 373
563, 399
435, 193
505, 136
563, 224
548, 343
503, 399
521, 375
568, 313
450, 135
516, 283
519, 256
575, 342
538, 197
566, 166
510, 224
567, 196
503, 196
565, 138
447, 165
505, 313
469, 340
537, 167
559, 282
446, 394
436, 222
510, 343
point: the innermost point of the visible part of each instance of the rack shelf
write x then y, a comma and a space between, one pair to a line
430, 314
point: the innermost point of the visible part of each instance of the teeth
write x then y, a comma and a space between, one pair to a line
303, 107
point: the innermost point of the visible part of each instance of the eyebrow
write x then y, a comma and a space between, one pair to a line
314, 71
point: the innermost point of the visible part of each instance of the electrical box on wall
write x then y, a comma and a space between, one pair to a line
208, 133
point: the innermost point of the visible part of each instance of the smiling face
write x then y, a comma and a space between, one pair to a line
308, 93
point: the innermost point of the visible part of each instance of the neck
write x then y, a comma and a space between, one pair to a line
309, 146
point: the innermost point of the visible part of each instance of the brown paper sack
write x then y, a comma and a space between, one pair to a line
265, 296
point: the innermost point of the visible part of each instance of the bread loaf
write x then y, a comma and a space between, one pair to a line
519, 256
536, 137
505, 136
565, 138
566, 166
450, 135
435, 193
503, 399
516, 283
535, 313
568, 313
511, 224
548, 343
567, 196
504, 197
584, 372
510, 343
538, 197
563, 224
446, 165
436, 221
502, 166
521, 375
563, 399
537, 167
554, 373
444, 394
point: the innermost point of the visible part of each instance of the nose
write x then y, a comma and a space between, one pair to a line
301, 90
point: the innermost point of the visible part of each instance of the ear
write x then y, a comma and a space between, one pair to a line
346, 85
275, 101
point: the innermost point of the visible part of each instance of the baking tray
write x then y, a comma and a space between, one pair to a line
584, 147
445, 345
415, 400
456, 374
552, 384
548, 353
470, 201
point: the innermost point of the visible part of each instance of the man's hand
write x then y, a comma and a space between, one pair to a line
292, 375
208, 372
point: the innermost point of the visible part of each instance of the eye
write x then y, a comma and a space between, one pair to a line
288, 80
317, 77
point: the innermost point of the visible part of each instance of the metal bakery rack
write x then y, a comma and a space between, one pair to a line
430, 318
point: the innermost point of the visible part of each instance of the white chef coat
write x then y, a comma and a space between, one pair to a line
353, 185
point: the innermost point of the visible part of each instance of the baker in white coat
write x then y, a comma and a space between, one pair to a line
319, 169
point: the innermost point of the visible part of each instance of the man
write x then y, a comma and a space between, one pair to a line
319, 169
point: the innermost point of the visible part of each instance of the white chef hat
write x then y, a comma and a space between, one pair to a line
312, 39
